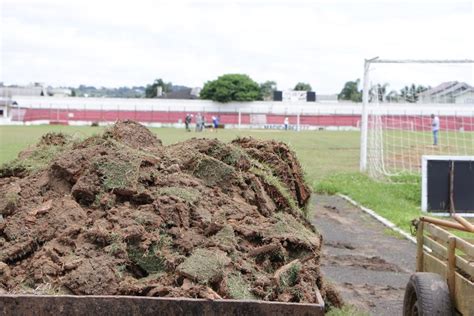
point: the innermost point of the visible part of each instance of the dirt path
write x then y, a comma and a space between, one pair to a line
369, 265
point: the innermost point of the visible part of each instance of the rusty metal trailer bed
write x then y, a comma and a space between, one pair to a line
138, 305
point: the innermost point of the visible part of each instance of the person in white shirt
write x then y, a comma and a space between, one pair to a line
435, 128
286, 122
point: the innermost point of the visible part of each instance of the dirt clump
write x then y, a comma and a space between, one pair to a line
54, 139
283, 162
120, 214
132, 134
36, 157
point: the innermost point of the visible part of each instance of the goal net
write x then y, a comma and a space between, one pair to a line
415, 108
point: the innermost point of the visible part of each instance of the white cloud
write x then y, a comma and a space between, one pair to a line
113, 43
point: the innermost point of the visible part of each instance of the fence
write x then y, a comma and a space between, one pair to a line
172, 112
162, 112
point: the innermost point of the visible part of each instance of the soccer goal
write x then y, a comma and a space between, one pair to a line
402, 99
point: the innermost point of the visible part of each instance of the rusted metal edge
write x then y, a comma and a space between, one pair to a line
139, 305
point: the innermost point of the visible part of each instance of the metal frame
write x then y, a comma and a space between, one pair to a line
365, 94
424, 181
139, 305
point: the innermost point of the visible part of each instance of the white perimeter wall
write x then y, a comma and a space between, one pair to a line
304, 108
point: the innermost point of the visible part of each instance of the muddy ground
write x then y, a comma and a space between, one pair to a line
367, 264
121, 214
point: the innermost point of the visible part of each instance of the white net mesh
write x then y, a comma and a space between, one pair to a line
400, 122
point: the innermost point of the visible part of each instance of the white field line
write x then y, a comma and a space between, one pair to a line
381, 219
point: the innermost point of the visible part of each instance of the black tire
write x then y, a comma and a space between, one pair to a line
427, 294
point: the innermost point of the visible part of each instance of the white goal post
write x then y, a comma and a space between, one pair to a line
408, 126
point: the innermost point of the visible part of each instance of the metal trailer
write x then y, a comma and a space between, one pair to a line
40, 305
443, 282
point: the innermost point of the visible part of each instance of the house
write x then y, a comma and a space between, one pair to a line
59, 92
444, 93
32, 90
5, 107
465, 97
180, 92
327, 98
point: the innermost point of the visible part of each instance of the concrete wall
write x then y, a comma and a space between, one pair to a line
466, 98
302, 115
264, 107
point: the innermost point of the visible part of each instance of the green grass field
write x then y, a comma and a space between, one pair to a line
330, 160
403, 149
321, 153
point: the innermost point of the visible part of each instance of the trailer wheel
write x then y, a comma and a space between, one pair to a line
426, 294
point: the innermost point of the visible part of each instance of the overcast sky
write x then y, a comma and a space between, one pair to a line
125, 43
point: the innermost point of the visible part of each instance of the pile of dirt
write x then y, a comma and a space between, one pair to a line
132, 134
121, 214
53, 139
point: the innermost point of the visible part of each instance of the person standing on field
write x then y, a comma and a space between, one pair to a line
187, 121
215, 123
286, 122
198, 122
435, 128
203, 123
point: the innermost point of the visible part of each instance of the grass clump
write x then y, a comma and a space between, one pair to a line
120, 270
265, 173
150, 260
290, 276
189, 195
346, 310
10, 201
228, 153
38, 159
116, 244
234, 156
287, 227
118, 174
239, 288
204, 265
226, 237
104, 200
54, 139
213, 171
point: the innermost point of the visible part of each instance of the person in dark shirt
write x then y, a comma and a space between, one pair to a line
187, 121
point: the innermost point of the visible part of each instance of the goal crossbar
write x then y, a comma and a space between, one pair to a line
421, 61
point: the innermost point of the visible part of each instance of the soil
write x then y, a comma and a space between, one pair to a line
120, 214
367, 265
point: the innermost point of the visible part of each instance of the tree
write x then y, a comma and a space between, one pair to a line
382, 91
351, 91
151, 90
267, 88
411, 93
231, 87
73, 93
378, 91
393, 96
301, 86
